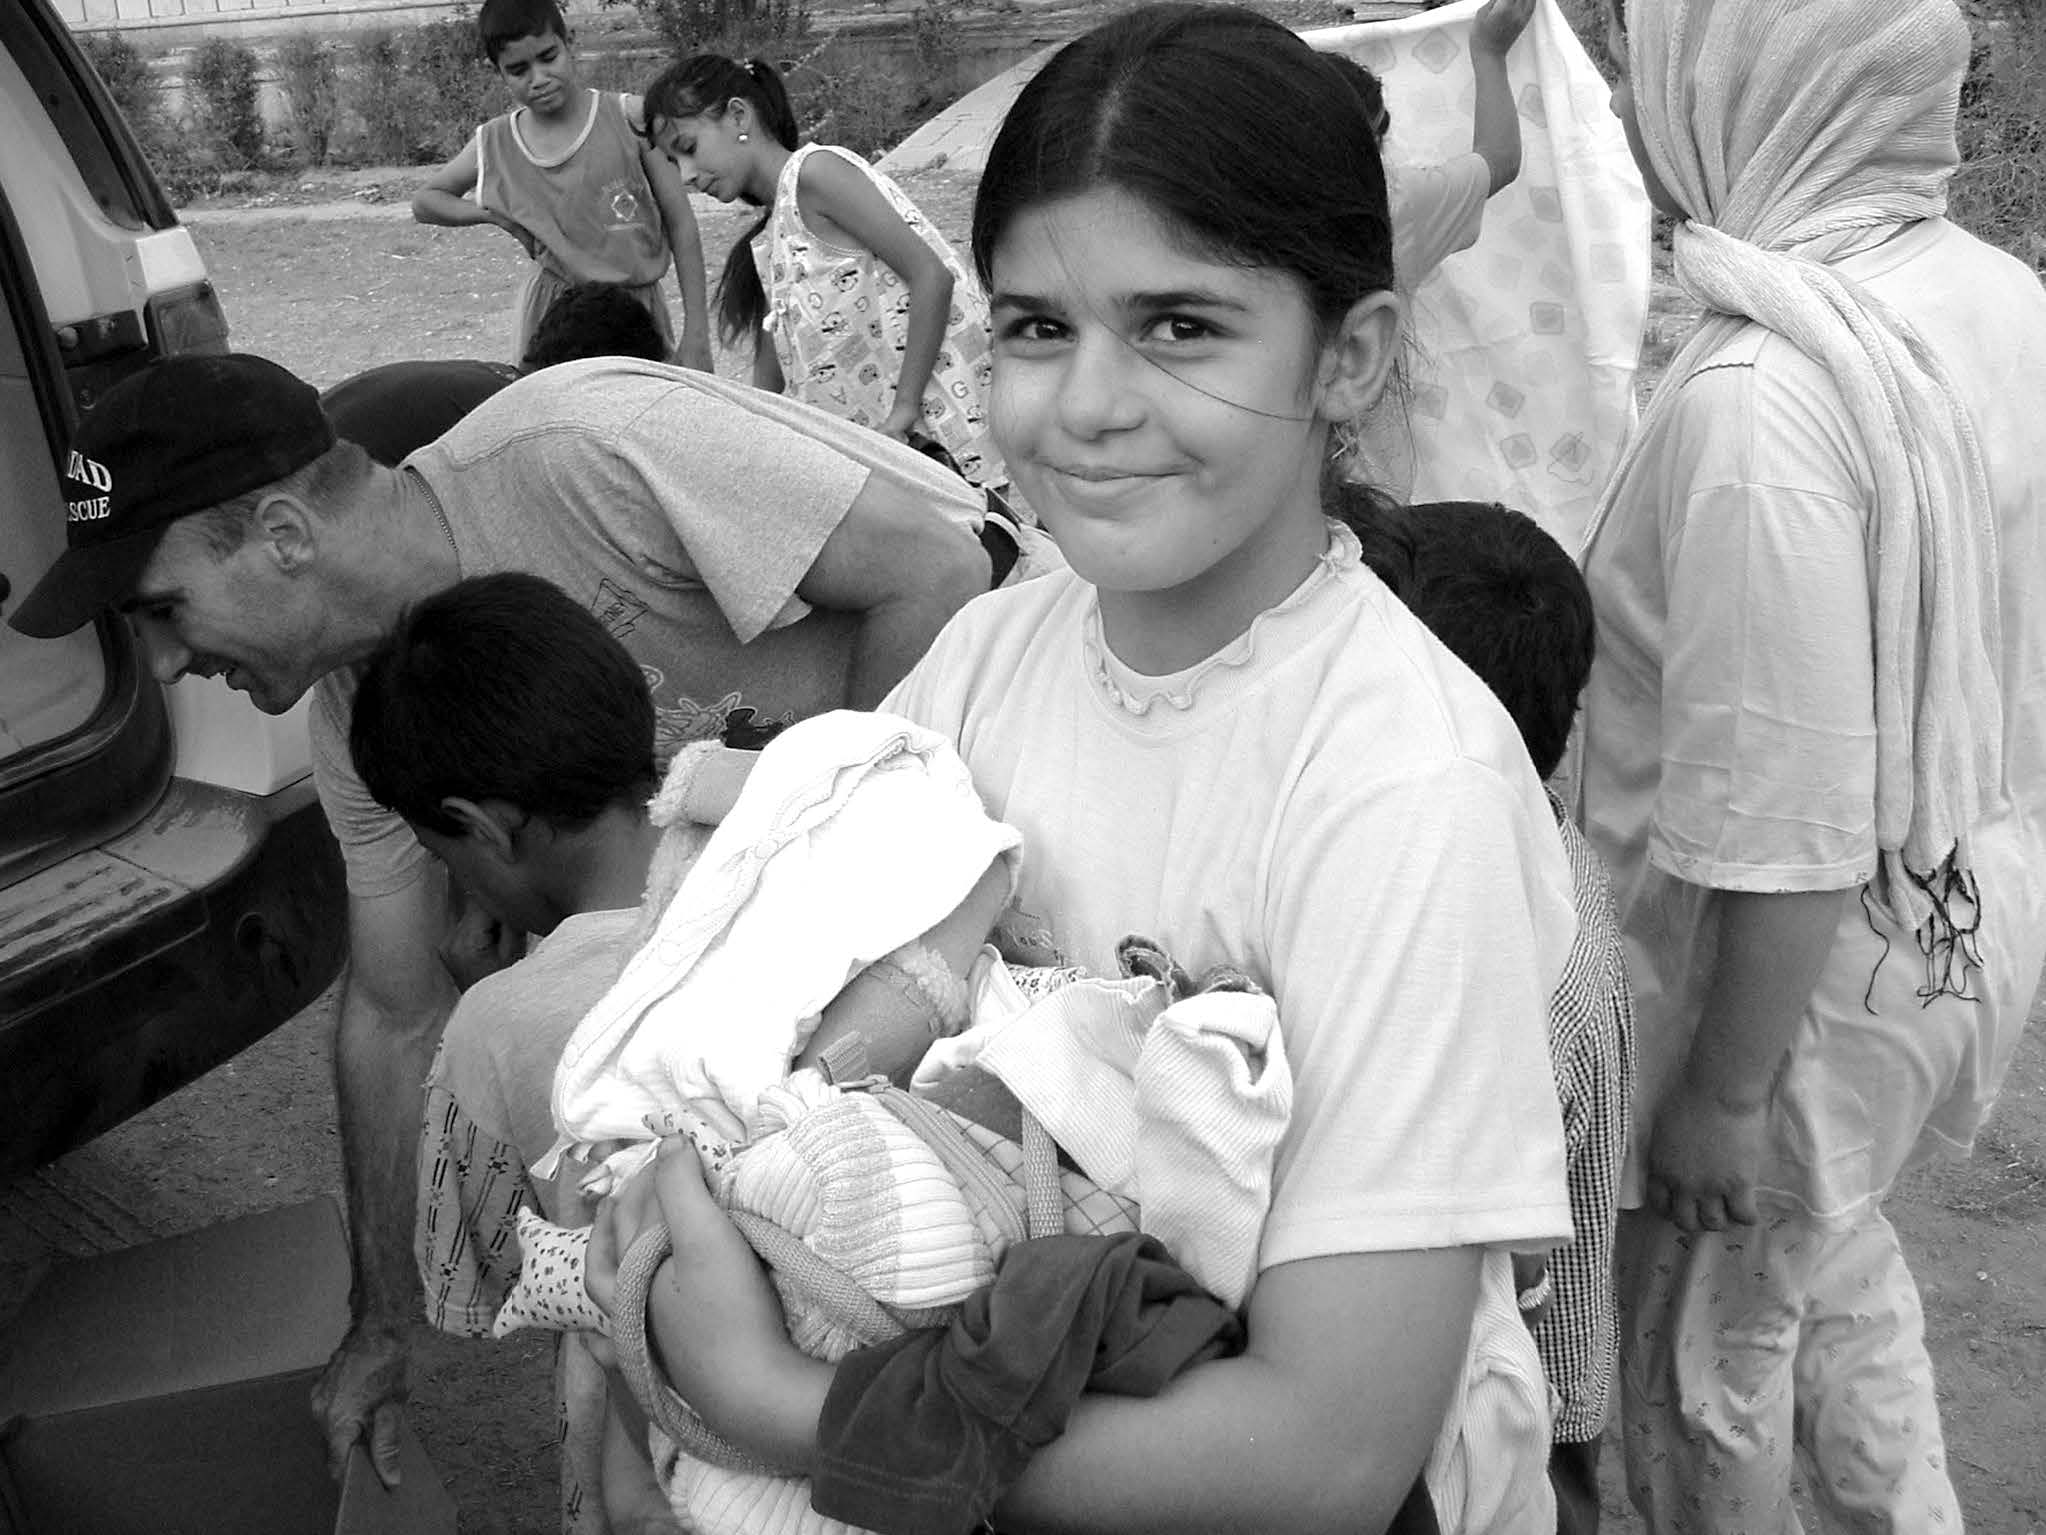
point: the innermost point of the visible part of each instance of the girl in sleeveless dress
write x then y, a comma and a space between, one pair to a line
867, 311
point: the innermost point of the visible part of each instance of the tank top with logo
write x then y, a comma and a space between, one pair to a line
590, 207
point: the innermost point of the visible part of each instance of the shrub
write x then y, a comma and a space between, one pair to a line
455, 88
934, 44
846, 95
2000, 191
736, 27
419, 92
138, 93
312, 98
376, 94
221, 89
127, 77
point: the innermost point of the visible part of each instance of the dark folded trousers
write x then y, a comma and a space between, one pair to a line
922, 1435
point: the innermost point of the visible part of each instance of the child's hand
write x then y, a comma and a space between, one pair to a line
694, 352
714, 1313
621, 1216
899, 422
517, 231
474, 943
1499, 25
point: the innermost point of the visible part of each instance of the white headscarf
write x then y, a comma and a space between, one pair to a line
1791, 132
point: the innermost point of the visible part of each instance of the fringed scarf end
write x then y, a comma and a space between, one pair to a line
1942, 909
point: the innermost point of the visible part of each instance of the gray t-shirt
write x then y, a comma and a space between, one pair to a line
683, 510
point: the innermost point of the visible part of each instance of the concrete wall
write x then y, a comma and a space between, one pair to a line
172, 23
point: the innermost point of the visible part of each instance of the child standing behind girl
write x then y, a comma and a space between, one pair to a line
568, 175
869, 312
1222, 730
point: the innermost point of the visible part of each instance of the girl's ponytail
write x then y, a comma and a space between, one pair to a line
741, 301
707, 82
770, 98
1376, 519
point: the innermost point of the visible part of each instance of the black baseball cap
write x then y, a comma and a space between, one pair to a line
175, 438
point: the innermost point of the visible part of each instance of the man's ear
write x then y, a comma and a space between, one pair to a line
289, 531
491, 824
1359, 358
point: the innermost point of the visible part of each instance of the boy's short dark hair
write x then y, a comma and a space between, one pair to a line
503, 22
502, 687
594, 319
1368, 88
1506, 598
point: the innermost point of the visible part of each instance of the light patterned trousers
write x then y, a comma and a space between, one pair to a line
1742, 1349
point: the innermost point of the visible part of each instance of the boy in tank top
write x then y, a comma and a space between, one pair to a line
567, 173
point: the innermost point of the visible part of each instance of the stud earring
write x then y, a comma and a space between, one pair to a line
743, 137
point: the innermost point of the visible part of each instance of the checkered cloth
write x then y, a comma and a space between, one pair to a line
1591, 1049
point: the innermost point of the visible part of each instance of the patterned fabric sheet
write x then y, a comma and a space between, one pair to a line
1523, 348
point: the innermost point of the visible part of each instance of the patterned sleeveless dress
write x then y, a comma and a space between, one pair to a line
839, 319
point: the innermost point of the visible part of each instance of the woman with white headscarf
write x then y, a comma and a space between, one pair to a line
1815, 743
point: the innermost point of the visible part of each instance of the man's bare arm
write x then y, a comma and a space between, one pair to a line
905, 568
394, 1003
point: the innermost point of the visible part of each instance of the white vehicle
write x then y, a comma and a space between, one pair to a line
169, 891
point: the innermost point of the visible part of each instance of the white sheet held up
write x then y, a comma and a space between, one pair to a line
1524, 347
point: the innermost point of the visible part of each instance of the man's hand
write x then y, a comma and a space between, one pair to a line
1499, 24
362, 1395
394, 1004
1703, 1157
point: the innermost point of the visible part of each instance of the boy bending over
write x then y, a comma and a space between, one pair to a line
516, 737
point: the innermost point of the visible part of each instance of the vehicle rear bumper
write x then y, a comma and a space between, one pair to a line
131, 969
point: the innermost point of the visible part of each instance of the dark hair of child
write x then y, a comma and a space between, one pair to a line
1504, 597
1176, 105
709, 82
594, 319
1369, 88
503, 687
500, 23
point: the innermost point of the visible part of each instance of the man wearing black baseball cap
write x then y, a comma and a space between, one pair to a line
760, 559
172, 462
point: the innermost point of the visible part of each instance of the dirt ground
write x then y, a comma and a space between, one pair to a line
334, 286
329, 283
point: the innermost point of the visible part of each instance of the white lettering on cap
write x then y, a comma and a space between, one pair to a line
92, 510
90, 472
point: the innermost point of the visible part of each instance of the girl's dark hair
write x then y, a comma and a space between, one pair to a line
707, 82
1222, 122
502, 687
